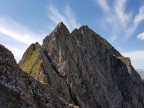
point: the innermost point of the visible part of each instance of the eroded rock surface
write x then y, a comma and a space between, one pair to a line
19, 90
78, 69
98, 76
38, 65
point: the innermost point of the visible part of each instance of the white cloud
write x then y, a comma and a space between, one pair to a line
11, 28
137, 20
119, 8
137, 58
66, 16
16, 37
104, 5
16, 51
139, 17
122, 23
141, 36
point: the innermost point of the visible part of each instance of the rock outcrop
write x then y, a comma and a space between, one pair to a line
37, 64
19, 90
78, 69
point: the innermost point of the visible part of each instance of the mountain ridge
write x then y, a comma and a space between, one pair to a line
83, 70
141, 72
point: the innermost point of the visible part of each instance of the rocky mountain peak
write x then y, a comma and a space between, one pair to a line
72, 70
57, 36
21, 90
61, 26
33, 47
6, 57
61, 29
85, 28
31, 61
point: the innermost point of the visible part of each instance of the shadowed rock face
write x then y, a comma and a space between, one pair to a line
78, 69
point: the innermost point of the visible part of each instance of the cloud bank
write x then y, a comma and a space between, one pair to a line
137, 58
141, 36
19, 32
66, 16
122, 22
16, 37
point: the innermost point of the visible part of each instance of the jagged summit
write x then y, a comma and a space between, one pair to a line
60, 33
30, 57
19, 90
6, 57
61, 25
84, 27
61, 28
73, 70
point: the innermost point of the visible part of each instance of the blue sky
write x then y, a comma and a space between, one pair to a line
121, 22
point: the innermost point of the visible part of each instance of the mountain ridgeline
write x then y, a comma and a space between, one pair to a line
69, 70
141, 72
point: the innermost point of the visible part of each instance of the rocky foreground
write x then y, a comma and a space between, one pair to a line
69, 70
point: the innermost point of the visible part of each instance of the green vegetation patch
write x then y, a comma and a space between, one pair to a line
123, 59
29, 63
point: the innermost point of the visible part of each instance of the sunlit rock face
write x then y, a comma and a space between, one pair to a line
77, 69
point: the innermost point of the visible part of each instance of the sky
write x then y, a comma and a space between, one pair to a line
120, 22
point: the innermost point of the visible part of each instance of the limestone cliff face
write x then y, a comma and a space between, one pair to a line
78, 69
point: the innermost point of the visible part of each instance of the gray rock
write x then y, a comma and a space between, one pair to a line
19, 90
38, 65
78, 69
97, 74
